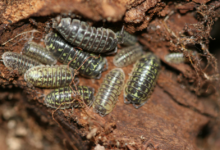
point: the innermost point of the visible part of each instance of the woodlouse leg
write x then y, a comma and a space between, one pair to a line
92, 99
125, 100
138, 106
30, 85
98, 77
76, 81
41, 96
101, 114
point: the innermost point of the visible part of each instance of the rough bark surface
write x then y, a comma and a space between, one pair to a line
184, 101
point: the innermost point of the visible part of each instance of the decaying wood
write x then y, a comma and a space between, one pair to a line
174, 114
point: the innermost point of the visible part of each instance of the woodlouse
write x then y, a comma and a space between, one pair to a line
38, 52
142, 81
16, 61
177, 58
80, 34
65, 97
50, 76
109, 91
90, 65
128, 55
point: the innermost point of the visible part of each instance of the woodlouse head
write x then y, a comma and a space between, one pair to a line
4, 58
64, 22
56, 21
47, 37
26, 46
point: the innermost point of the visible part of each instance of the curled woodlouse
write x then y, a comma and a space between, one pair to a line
177, 58
16, 61
126, 38
80, 34
128, 55
50, 76
38, 52
65, 97
90, 65
109, 91
142, 81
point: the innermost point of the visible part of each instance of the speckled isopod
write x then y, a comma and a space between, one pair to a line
142, 81
65, 97
80, 34
50, 76
38, 52
177, 58
16, 61
128, 55
90, 65
108, 92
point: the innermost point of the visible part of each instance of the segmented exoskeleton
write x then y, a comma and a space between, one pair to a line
126, 38
16, 61
38, 52
65, 97
177, 58
128, 55
89, 65
109, 91
50, 76
142, 81
80, 34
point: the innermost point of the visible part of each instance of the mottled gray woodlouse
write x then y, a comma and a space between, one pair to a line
88, 65
16, 61
65, 97
126, 38
177, 58
38, 52
80, 34
50, 76
142, 81
128, 55
109, 91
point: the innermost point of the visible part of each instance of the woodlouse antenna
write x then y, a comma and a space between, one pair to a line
73, 146
23, 33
